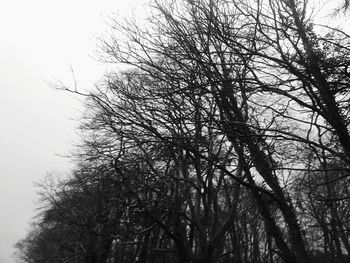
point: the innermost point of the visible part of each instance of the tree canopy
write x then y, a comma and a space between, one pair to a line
225, 139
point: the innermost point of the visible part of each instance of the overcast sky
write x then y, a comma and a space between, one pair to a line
39, 41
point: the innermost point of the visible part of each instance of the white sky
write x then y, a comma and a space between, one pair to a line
39, 41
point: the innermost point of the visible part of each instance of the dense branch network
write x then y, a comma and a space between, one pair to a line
226, 139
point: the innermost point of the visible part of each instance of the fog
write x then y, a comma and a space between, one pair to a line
40, 41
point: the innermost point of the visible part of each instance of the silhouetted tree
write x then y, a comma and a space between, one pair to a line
226, 139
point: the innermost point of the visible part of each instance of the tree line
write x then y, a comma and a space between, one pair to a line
225, 138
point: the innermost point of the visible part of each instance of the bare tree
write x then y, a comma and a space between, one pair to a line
207, 148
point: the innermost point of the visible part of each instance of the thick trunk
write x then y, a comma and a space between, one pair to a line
270, 225
232, 114
329, 107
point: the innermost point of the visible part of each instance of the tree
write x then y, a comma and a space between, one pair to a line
195, 45
207, 147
